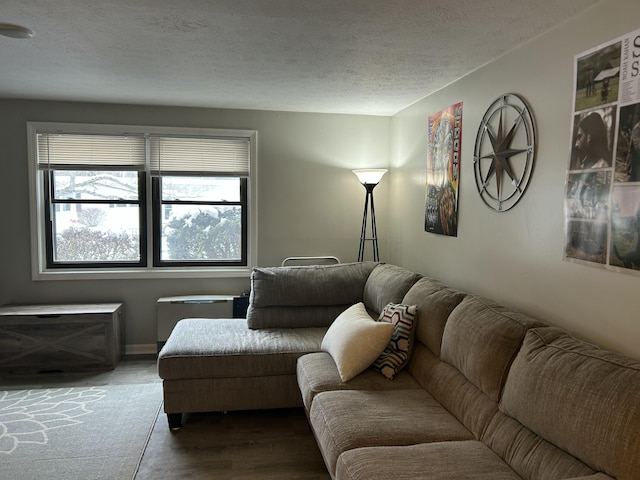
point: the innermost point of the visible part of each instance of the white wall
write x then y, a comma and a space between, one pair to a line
309, 201
516, 257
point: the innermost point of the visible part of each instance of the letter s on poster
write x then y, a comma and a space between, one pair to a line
635, 64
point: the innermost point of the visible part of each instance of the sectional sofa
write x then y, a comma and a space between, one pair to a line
483, 392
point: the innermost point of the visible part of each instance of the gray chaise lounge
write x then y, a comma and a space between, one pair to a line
237, 364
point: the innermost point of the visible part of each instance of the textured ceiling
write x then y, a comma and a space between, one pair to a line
350, 56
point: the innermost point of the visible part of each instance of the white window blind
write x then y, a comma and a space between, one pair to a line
73, 151
199, 155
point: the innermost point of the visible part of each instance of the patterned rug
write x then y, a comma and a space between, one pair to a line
82, 433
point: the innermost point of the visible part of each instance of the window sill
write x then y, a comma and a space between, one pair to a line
129, 274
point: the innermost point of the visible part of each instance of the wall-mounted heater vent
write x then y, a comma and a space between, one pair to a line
173, 309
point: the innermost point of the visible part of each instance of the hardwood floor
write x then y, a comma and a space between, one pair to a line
248, 445
131, 370
256, 445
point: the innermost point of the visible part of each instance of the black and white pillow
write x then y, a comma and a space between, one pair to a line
396, 355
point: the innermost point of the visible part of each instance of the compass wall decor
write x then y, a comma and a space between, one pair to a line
504, 152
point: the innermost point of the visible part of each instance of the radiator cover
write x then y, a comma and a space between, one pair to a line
173, 309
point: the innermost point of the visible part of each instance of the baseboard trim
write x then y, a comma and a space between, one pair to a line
141, 349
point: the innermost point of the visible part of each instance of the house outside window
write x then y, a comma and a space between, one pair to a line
123, 201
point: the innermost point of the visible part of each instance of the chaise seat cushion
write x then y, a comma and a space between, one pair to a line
346, 419
431, 461
237, 351
317, 372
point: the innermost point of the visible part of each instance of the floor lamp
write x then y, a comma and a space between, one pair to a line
369, 177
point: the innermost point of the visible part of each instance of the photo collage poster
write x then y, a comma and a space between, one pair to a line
602, 198
443, 171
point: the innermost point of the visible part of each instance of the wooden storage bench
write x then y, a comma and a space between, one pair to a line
61, 337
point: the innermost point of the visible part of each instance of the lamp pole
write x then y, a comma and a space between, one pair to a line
374, 234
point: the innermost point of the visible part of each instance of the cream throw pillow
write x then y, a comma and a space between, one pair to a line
354, 340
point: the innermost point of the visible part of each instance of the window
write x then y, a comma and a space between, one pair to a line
114, 200
84, 223
199, 220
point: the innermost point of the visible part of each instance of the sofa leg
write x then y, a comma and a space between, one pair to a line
175, 420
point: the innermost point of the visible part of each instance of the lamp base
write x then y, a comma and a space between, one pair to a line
368, 205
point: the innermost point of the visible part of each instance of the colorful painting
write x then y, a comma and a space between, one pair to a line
443, 171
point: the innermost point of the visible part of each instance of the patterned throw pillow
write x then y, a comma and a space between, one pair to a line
396, 355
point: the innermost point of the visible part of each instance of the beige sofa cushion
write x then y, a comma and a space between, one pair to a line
529, 455
346, 419
435, 302
481, 339
431, 461
309, 285
237, 351
305, 296
580, 398
317, 372
387, 284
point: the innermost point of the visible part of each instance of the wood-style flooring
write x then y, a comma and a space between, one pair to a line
256, 445
248, 445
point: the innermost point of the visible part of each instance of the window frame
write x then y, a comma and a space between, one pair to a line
41, 269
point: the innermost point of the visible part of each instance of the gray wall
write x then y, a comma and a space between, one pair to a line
516, 257
310, 203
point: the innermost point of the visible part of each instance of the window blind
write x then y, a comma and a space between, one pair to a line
199, 155
79, 151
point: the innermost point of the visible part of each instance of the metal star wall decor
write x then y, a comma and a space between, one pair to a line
504, 152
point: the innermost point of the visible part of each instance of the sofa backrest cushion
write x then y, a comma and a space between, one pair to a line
435, 302
387, 284
529, 455
481, 339
582, 399
283, 297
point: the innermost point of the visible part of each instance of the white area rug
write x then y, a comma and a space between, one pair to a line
79, 433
